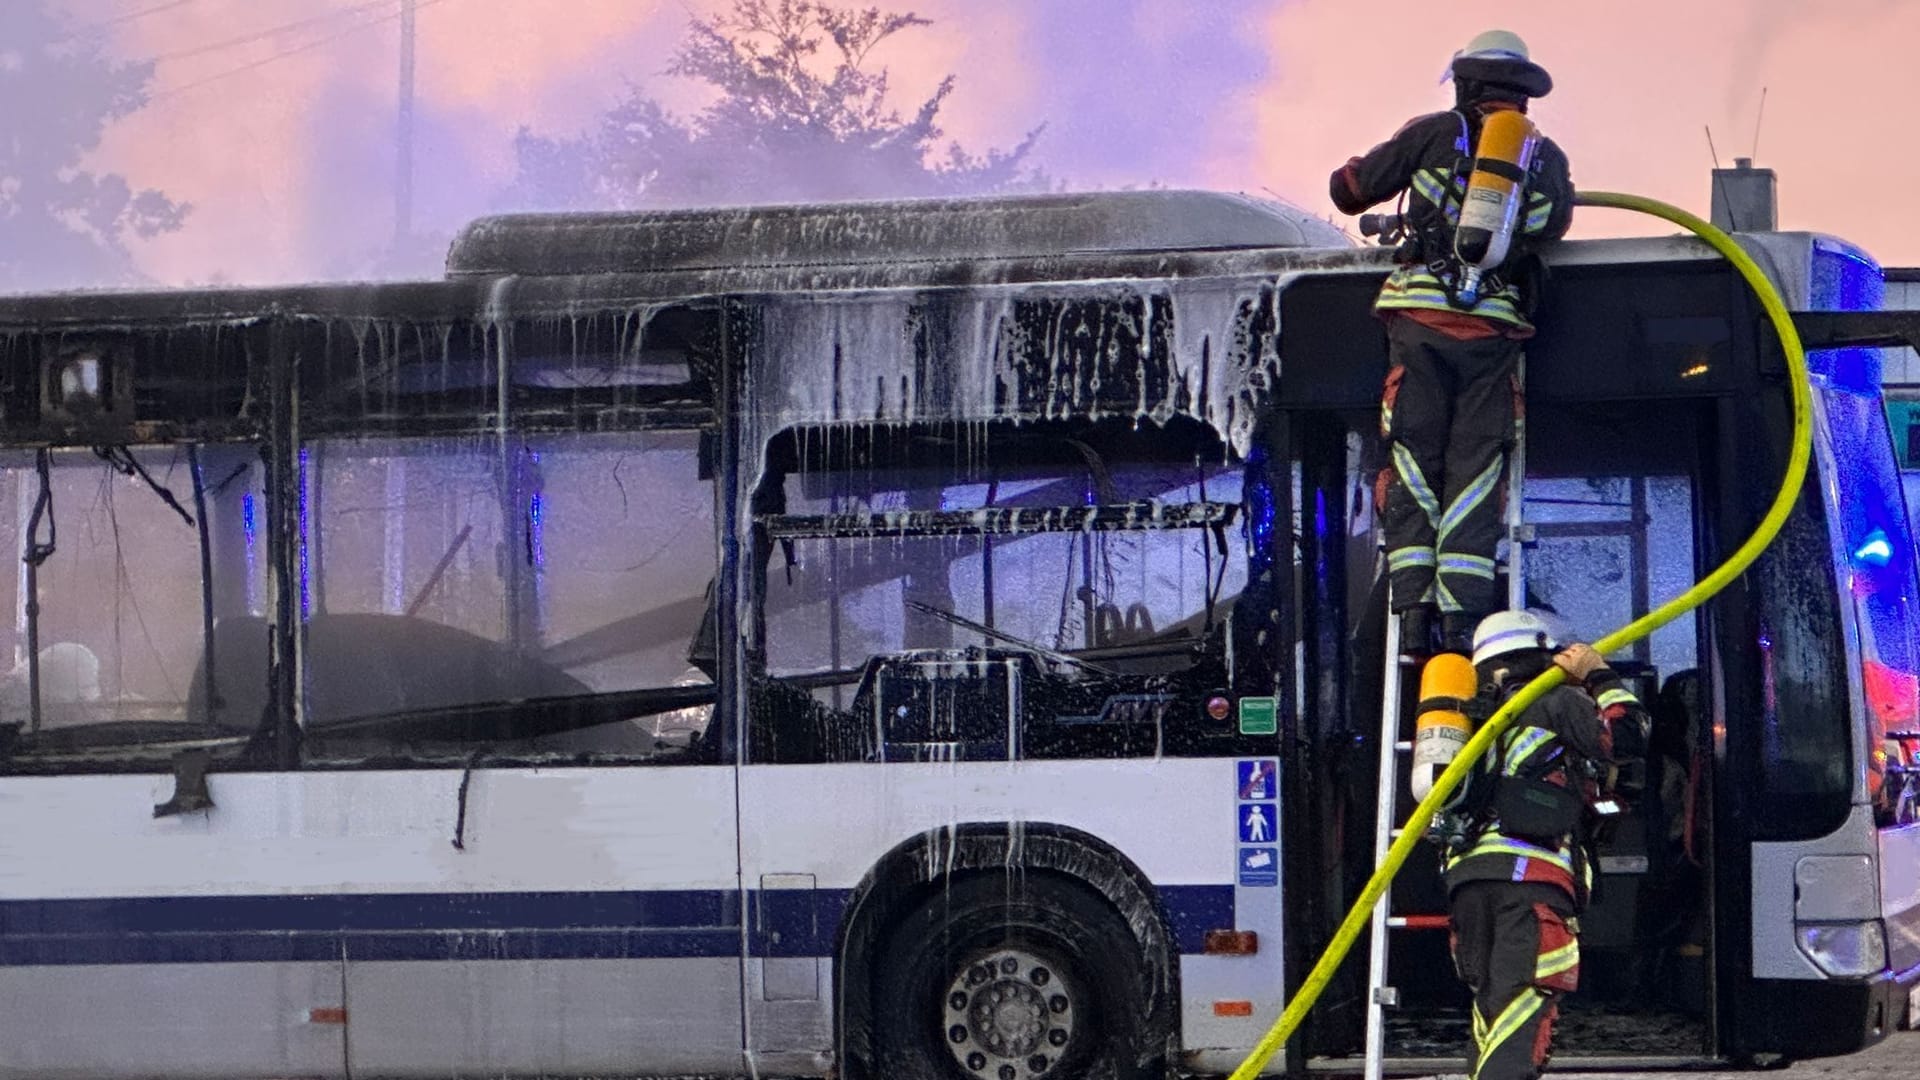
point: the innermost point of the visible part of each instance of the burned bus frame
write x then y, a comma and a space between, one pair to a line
1628, 322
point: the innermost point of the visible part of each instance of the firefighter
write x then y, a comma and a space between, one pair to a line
1454, 336
1518, 865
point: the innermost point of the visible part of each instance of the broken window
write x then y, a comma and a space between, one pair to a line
106, 591
1097, 568
838, 600
537, 600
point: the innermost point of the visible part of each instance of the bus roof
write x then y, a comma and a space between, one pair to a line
901, 309
495, 297
895, 233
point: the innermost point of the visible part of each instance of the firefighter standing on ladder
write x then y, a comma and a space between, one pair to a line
1517, 836
1454, 337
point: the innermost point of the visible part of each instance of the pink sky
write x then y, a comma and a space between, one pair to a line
290, 169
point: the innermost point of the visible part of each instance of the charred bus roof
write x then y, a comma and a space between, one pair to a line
564, 264
1158, 303
907, 233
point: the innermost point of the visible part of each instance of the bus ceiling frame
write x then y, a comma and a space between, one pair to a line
1001, 521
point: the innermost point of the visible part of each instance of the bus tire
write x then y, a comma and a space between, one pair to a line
1012, 977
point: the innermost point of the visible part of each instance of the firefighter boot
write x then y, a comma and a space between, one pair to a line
1456, 632
1416, 631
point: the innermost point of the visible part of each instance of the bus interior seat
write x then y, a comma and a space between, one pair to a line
369, 664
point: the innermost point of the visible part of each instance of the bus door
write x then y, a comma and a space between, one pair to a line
1617, 520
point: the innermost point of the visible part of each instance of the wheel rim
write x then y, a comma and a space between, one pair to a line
1010, 1014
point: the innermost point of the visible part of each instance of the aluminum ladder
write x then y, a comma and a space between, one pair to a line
1395, 673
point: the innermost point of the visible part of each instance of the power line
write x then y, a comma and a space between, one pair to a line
87, 30
140, 14
272, 32
171, 91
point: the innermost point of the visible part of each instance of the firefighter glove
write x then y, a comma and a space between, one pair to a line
1579, 661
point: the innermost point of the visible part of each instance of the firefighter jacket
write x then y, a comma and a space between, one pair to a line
1428, 161
1591, 742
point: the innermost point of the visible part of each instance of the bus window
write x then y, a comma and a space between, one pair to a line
849, 599
1130, 599
114, 540
1873, 535
539, 603
1611, 548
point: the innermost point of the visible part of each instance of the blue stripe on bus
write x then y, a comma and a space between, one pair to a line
466, 926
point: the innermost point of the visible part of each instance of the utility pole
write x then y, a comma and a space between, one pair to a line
403, 150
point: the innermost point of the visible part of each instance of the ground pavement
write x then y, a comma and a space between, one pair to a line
1896, 1058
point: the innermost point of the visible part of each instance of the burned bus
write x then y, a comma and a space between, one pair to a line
911, 640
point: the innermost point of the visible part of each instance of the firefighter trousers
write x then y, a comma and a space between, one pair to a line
1515, 945
1447, 415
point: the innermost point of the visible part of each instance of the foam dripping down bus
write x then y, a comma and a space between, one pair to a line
917, 641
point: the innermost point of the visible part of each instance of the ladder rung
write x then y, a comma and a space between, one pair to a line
1404, 746
1395, 833
1419, 922
1388, 996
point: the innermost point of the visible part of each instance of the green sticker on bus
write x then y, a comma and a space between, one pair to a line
1259, 716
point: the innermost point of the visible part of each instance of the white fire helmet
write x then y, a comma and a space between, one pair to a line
1505, 632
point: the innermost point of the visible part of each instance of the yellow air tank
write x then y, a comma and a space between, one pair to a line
1496, 194
1442, 727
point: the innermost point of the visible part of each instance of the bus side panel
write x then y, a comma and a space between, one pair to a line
1174, 819
1900, 897
85, 1021
112, 959
590, 923
565, 1017
1778, 900
599, 908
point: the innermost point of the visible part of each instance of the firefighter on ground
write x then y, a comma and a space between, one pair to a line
1517, 836
1455, 332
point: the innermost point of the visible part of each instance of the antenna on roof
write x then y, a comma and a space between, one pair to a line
1759, 116
1715, 154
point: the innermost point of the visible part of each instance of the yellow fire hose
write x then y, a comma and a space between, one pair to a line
1736, 564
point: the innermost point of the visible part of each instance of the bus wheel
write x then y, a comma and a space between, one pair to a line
1013, 977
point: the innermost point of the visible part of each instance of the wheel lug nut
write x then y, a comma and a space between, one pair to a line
1058, 1003
1038, 1063
1008, 1072
957, 1033
957, 1002
976, 1061
1058, 1036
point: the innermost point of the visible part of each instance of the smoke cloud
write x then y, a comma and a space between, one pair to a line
289, 165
